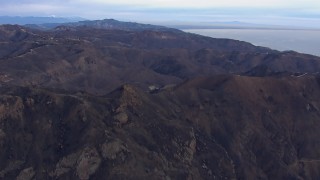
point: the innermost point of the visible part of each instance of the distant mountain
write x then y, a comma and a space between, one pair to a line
100, 24
35, 20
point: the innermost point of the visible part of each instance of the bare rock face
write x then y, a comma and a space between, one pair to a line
83, 163
65, 165
26, 174
115, 149
129, 98
186, 147
88, 163
191, 146
121, 118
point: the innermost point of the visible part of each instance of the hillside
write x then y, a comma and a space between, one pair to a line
223, 127
100, 60
85, 102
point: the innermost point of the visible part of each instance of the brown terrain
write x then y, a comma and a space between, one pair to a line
81, 102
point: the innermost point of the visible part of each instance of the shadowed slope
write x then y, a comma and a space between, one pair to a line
232, 127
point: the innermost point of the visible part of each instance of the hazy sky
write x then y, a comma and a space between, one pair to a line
284, 12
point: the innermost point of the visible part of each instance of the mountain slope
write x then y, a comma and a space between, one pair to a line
202, 129
98, 60
83, 102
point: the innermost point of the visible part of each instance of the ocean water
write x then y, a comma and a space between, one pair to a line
303, 41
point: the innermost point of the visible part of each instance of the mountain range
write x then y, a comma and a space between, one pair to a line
37, 20
119, 100
100, 24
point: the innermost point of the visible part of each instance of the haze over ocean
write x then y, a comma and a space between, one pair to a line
304, 41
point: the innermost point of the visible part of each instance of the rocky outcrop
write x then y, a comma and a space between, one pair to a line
113, 150
65, 165
87, 163
26, 174
83, 163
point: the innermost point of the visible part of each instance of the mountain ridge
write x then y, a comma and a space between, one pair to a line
102, 24
78, 58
